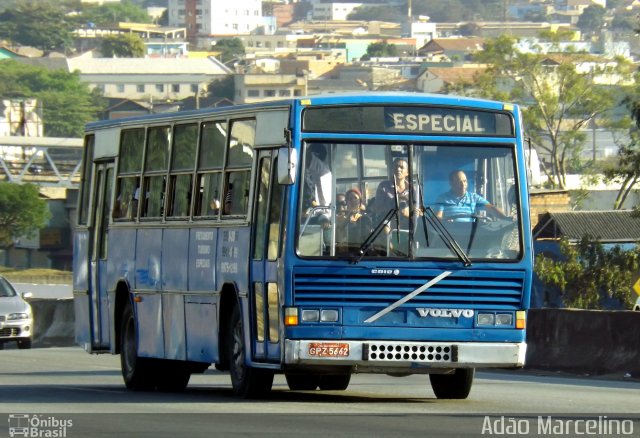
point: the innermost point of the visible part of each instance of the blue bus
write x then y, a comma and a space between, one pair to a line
315, 237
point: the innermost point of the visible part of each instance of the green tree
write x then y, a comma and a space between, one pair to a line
224, 87
591, 19
67, 102
588, 276
22, 212
559, 99
109, 14
37, 24
626, 170
128, 45
379, 50
229, 48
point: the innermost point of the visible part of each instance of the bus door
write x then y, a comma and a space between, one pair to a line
265, 297
98, 299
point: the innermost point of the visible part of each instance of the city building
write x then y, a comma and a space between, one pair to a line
212, 17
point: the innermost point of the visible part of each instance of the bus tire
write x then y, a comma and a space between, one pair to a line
302, 382
138, 373
335, 382
247, 382
456, 385
174, 378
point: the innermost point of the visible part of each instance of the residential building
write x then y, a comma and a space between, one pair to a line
214, 17
333, 11
436, 79
251, 88
149, 79
452, 48
159, 41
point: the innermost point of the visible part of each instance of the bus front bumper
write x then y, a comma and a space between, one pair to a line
410, 357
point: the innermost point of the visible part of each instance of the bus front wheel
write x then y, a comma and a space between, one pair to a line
138, 373
247, 382
335, 382
456, 385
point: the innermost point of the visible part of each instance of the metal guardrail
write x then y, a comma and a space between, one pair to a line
45, 161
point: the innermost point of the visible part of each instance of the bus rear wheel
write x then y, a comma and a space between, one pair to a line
138, 373
247, 382
456, 385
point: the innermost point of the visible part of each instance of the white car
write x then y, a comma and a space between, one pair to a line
16, 317
636, 306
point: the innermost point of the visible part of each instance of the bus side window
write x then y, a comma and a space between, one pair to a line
129, 167
213, 140
236, 198
183, 161
238, 167
154, 183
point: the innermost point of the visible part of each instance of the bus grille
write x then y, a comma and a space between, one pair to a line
356, 286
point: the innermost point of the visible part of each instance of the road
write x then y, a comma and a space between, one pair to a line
65, 384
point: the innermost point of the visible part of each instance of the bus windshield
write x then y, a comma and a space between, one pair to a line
427, 201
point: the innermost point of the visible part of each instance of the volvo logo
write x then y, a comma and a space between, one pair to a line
445, 313
385, 271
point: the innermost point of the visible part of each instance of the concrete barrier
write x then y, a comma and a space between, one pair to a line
575, 341
53, 324
584, 341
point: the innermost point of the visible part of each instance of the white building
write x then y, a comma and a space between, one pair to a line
215, 17
148, 78
333, 11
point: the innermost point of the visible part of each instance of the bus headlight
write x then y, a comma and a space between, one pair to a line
329, 315
310, 315
486, 318
504, 319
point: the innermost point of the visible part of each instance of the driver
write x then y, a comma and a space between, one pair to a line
460, 205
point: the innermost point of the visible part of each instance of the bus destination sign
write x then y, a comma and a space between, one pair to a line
414, 120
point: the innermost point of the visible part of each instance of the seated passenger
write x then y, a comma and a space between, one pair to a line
355, 226
388, 190
460, 205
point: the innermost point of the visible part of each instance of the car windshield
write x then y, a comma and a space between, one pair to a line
6, 290
409, 201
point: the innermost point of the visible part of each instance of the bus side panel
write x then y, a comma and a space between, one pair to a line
175, 244
81, 287
201, 316
174, 328
122, 252
148, 285
201, 326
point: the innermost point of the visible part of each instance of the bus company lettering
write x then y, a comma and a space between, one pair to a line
204, 235
438, 123
445, 313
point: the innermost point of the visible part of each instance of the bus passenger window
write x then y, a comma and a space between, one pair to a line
183, 161
208, 201
129, 167
236, 198
126, 204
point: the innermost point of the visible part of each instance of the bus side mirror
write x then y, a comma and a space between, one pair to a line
287, 165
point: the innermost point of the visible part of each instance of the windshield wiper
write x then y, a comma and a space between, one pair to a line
445, 235
374, 234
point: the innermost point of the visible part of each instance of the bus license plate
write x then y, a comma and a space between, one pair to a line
328, 349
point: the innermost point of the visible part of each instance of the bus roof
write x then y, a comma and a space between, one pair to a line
360, 98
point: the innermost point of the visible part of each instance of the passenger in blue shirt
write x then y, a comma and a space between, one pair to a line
460, 205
